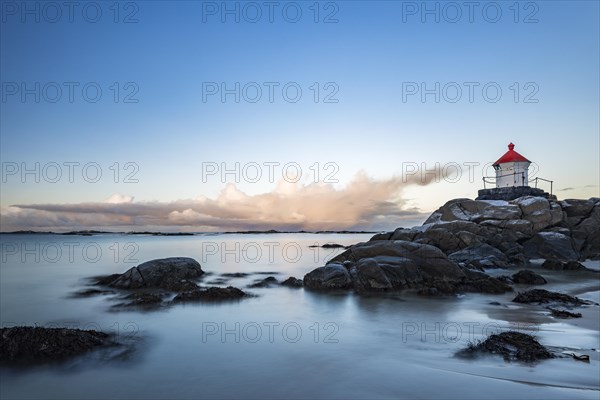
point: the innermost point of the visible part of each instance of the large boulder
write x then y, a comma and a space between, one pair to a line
166, 273
475, 211
519, 226
541, 212
396, 265
577, 208
586, 233
512, 227
331, 276
551, 245
480, 256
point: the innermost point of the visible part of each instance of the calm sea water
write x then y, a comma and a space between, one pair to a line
283, 343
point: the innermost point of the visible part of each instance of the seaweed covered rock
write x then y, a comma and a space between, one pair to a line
35, 345
511, 345
210, 294
541, 296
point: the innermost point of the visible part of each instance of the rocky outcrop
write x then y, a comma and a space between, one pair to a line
151, 284
395, 265
35, 345
465, 236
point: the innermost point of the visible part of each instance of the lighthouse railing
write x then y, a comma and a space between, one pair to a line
492, 180
542, 179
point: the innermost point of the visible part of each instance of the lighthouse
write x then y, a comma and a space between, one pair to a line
512, 179
512, 169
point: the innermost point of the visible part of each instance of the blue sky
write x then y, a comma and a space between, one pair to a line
372, 52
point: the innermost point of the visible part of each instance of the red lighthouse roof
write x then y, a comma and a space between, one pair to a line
511, 156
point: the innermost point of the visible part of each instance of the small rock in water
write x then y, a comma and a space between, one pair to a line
577, 356
235, 274
526, 276
293, 282
264, 283
511, 345
210, 294
329, 246
563, 313
544, 296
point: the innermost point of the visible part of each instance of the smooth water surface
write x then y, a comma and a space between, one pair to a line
283, 343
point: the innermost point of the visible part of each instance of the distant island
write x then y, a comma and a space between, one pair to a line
94, 232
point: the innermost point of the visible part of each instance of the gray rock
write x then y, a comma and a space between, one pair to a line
587, 234
551, 245
522, 226
382, 236
528, 277
480, 256
442, 239
475, 210
404, 234
166, 273
331, 276
537, 210
577, 207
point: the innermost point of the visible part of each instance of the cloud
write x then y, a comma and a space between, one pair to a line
364, 203
118, 198
566, 189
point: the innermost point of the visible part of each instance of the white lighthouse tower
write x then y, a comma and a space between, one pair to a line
512, 169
